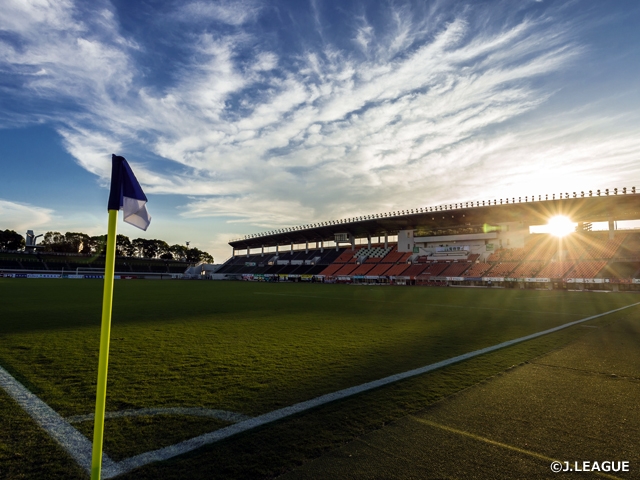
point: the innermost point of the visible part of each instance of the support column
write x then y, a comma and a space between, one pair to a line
306, 248
386, 240
248, 250
321, 246
233, 252
291, 248
611, 229
353, 242
262, 251
369, 241
277, 248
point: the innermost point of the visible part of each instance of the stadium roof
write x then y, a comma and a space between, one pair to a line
613, 207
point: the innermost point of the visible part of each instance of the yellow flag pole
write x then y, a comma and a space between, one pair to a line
105, 334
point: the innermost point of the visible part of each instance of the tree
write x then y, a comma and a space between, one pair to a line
78, 242
137, 245
124, 247
150, 248
179, 252
98, 244
51, 238
195, 256
11, 240
56, 242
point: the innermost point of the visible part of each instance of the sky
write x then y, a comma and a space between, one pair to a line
244, 116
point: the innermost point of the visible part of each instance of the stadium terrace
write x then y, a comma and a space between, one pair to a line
481, 243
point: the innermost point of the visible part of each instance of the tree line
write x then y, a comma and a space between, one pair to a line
77, 242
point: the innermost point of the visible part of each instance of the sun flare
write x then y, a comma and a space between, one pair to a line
560, 226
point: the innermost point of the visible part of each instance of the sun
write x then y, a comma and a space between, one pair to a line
560, 226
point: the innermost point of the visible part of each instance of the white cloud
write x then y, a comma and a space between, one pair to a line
230, 12
22, 217
261, 212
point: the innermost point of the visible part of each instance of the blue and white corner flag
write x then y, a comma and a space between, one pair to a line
127, 195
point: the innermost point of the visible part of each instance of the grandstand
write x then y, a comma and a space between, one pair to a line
467, 244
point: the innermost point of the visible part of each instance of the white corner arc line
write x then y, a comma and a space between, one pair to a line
76, 444
217, 435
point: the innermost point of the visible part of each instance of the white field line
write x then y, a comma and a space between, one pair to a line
211, 437
76, 444
444, 305
147, 412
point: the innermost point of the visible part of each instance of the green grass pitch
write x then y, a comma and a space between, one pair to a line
252, 348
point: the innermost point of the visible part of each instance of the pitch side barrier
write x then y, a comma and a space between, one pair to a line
92, 276
569, 283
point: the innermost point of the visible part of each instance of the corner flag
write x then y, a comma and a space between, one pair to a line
125, 195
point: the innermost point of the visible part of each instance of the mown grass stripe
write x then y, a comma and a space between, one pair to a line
147, 412
212, 437
439, 305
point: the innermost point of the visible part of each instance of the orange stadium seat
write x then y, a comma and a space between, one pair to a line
555, 270
477, 270
397, 270
502, 269
526, 270
587, 269
455, 269
362, 269
379, 269
414, 270
346, 269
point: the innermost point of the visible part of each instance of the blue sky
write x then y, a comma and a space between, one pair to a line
243, 116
